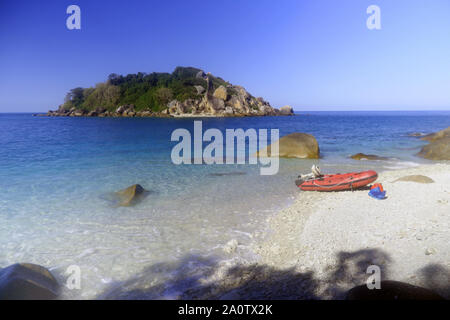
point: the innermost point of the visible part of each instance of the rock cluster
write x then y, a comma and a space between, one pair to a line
229, 101
362, 156
121, 111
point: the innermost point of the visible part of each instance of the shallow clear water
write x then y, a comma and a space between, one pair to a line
56, 175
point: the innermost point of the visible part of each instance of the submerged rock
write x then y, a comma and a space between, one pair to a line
294, 145
131, 195
222, 174
416, 134
362, 156
392, 290
416, 178
27, 281
231, 246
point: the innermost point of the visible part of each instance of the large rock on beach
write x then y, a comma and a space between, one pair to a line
294, 145
392, 290
416, 178
131, 195
26, 281
362, 156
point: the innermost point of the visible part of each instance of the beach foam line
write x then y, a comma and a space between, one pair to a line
402, 165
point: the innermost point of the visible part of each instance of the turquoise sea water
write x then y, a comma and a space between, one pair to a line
56, 175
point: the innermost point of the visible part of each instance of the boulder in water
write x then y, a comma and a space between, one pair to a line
362, 156
27, 281
131, 195
294, 145
416, 178
222, 174
286, 111
392, 290
439, 147
437, 150
437, 135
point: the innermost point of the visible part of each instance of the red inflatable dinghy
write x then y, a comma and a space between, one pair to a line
339, 182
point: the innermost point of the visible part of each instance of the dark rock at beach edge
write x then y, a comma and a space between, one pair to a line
27, 281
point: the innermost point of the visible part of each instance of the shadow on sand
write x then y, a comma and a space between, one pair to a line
194, 277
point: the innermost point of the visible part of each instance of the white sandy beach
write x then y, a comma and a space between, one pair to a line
338, 235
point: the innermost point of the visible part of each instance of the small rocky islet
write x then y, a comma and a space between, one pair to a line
186, 92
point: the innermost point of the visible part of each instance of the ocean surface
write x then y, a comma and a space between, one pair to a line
57, 176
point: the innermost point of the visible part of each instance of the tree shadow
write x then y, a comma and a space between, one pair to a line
351, 270
436, 278
194, 277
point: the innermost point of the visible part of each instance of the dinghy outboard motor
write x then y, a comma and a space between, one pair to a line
315, 173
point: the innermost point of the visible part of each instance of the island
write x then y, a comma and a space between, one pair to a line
186, 92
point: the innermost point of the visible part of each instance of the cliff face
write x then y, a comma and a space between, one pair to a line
184, 93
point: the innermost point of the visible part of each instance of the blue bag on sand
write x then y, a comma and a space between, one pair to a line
377, 192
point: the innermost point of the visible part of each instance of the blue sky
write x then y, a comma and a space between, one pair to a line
312, 54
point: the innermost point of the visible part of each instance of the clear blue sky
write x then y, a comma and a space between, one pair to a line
313, 55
